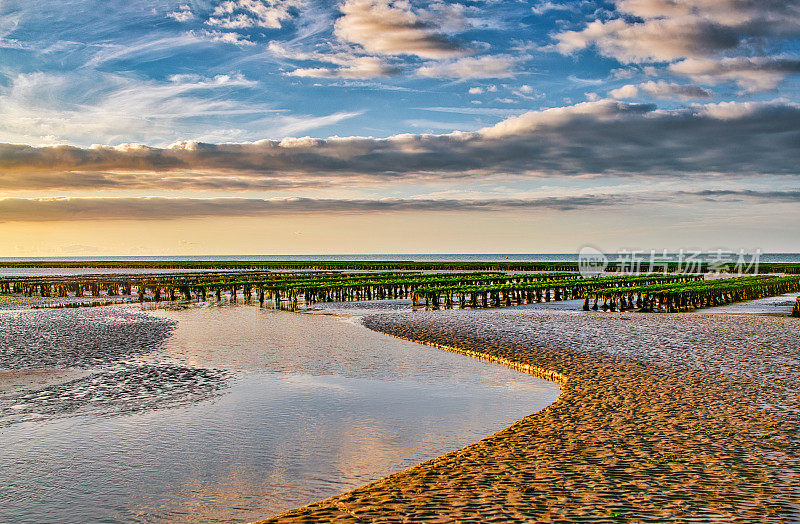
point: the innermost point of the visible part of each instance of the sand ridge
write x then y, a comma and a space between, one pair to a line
690, 418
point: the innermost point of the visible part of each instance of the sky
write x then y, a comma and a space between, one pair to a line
408, 126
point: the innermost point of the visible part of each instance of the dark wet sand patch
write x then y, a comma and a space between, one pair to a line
56, 363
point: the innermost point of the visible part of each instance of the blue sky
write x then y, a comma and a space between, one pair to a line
72, 56
487, 107
160, 72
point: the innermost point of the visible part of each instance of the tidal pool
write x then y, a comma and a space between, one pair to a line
302, 407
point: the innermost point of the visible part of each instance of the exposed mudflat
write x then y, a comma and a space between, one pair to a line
120, 390
63, 338
690, 417
63, 362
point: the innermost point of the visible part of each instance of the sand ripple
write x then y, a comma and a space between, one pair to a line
64, 338
121, 390
59, 363
692, 418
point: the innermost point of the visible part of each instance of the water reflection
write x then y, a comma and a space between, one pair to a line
315, 405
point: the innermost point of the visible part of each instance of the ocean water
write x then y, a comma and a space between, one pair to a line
232, 413
469, 257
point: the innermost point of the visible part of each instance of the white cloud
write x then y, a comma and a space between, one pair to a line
183, 14
750, 73
527, 92
240, 14
626, 91
377, 38
547, 6
670, 30
350, 65
475, 90
364, 67
499, 66
226, 38
653, 40
661, 89
388, 27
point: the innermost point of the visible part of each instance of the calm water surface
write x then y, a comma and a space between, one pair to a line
314, 405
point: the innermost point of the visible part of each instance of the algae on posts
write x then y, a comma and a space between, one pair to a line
685, 296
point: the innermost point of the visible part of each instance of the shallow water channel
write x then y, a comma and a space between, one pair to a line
234, 414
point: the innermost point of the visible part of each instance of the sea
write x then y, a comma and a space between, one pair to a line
709, 255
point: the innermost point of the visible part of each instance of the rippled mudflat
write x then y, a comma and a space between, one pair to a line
225, 413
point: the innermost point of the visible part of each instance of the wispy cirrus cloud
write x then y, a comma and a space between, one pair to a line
87, 107
360, 67
349, 64
143, 48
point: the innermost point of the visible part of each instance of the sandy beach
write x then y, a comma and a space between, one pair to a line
400, 261
687, 417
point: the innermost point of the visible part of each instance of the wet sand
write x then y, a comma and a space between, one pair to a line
63, 362
684, 417
12, 381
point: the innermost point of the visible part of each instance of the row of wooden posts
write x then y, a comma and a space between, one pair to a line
158, 293
114, 285
277, 288
519, 295
289, 297
392, 290
688, 299
499, 298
